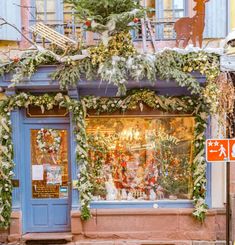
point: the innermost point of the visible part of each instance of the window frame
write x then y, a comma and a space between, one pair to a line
60, 11
160, 15
164, 203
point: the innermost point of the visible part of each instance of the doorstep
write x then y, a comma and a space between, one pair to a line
66, 236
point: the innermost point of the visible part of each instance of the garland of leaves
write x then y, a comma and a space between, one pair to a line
108, 64
46, 102
101, 105
194, 106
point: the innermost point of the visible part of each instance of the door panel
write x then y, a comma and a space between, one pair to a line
47, 196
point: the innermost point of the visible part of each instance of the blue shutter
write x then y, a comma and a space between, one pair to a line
11, 13
216, 19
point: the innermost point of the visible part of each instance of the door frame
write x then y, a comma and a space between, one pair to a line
25, 122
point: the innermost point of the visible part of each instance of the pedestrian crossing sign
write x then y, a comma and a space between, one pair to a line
220, 150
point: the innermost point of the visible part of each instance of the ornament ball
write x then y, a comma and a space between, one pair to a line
136, 20
88, 23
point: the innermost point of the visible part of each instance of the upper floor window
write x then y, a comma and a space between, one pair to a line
56, 14
162, 16
168, 11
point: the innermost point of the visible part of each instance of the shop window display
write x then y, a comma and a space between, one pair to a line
140, 158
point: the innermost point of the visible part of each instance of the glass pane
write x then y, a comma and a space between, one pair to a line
141, 158
51, 5
151, 4
51, 17
40, 17
178, 4
49, 159
179, 13
72, 28
40, 6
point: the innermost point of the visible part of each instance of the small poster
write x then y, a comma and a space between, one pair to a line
63, 191
54, 176
37, 172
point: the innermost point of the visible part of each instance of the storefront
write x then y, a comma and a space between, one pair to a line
140, 171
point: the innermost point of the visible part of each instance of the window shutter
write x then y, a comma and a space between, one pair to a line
11, 12
216, 19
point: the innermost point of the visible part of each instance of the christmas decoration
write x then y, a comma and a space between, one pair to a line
184, 104
88, 23
119, 62
45, 102
136, 20
48, 140
16, 59
167, 104
108, 17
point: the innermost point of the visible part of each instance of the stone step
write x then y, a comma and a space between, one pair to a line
47, 238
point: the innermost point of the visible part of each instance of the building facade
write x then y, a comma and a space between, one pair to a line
45, 196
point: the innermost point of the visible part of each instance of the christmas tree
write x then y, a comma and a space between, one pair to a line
107, 17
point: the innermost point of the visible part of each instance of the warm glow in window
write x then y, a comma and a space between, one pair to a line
141, 158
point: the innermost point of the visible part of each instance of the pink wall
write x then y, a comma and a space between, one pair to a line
25, 22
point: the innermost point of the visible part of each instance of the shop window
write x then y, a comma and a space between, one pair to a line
57, 15
141, 158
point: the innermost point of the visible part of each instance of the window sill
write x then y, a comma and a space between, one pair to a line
180, 203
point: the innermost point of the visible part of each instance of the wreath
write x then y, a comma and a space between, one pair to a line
48, 140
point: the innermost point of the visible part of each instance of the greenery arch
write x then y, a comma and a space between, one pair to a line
132, 100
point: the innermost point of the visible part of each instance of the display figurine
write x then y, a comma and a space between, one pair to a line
110, 189
124, 194
160, 193
130, 196
152, 195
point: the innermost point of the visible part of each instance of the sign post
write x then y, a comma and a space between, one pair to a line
223, 151
228, 215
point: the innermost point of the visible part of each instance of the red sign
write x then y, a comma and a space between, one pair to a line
219, 150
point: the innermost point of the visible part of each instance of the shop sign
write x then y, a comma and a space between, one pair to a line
218, 150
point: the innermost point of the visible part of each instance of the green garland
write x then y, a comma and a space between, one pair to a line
117, 70
132, 101
135, 99
45, 102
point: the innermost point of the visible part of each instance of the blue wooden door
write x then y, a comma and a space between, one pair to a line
47, 180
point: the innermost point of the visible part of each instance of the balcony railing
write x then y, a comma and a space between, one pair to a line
163, 29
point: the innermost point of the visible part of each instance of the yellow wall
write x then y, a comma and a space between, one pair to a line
232, 14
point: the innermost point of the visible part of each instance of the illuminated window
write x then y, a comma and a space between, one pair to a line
141, 158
